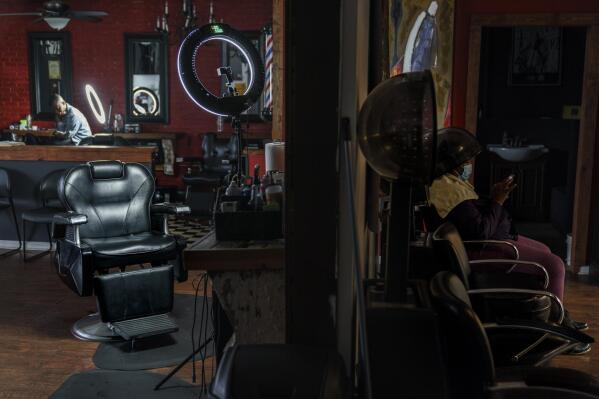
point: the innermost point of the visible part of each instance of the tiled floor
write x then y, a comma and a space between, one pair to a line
191, 229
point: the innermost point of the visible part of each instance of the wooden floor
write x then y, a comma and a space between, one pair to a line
37, 352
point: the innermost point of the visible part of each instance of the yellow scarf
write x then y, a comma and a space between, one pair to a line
448, 191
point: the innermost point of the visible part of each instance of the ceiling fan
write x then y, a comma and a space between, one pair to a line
57, 14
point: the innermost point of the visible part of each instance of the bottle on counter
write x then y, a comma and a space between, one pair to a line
233, 189
220, 123
117, 126
256, 201
28, 121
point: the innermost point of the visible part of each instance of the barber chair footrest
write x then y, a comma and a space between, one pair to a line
91, 328
144, 326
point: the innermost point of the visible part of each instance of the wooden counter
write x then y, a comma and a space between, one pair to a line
248, 282
73, 153
225, 256
27, 165
126, 136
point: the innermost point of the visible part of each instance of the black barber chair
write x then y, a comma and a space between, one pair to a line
471, 369
217, 162
108, 225
504, 293
104, 139
279, 371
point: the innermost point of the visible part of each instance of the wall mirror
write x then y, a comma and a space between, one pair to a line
232, 56
146, 72
49, 71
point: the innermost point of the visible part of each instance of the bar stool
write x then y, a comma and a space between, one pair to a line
6, 202
51, 205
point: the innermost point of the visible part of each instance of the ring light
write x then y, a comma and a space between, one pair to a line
138, 109
95, 104
195, 89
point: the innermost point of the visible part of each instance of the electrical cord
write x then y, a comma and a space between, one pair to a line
195, 284
345, 140
203, 331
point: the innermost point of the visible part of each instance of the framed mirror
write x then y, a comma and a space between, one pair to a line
49, 71
146, 74
232, 57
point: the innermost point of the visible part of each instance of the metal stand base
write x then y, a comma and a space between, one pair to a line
91, 328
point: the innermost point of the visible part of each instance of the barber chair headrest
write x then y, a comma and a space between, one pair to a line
103, 170
219, 148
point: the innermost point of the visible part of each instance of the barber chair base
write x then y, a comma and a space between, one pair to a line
91, 328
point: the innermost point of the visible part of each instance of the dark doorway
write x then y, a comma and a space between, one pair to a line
530, 92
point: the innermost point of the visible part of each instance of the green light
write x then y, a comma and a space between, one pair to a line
217, 29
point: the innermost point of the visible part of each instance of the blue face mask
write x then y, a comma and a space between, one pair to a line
467, 172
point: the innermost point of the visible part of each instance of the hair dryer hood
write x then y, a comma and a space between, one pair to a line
397, 127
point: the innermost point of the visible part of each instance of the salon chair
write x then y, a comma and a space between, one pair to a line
51, 205
279, 371
219, 157
6, 203
500, 291
108, 225
432, 221
470, 363
107, 139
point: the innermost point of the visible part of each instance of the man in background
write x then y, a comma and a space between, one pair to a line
71, 124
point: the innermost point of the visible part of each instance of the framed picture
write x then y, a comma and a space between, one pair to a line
420, 37
536, 57
49, 71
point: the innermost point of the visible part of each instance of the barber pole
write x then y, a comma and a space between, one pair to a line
268, 57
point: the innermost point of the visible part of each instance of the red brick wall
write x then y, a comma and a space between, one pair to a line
98, 58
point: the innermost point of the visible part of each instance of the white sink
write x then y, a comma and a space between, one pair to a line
518, 154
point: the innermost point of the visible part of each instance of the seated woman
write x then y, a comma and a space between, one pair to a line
485, 218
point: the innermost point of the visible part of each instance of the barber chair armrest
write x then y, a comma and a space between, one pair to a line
167, 208
62, 222
553, 298
70, 218
515, 264
163, 209
512, 246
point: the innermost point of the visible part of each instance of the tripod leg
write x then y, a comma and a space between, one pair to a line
183, 363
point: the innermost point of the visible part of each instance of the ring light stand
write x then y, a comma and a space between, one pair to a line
233, 104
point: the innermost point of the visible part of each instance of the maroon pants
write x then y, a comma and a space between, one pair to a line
530, 250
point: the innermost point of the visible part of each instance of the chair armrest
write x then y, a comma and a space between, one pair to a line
69, 219
512, 246
167, 208
515, 264
522, 291
66, 226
